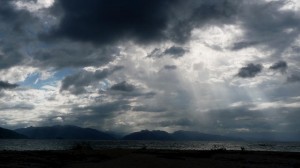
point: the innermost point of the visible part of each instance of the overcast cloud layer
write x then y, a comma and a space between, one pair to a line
214, 66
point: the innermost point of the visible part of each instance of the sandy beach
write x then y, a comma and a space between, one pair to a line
125, 158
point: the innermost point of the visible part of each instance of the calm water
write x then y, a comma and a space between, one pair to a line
22, 145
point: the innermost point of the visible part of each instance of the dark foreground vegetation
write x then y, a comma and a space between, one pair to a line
83, 156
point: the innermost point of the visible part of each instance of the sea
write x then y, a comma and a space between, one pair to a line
34, 145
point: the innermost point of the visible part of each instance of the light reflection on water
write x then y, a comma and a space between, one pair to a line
21, 145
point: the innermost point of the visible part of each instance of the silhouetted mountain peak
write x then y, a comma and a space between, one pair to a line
75, 132
148, 135
177, 135
64, 132
9, 134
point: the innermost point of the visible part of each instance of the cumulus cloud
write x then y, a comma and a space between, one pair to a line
123, 86
170, 67
7, 85
126, 91
76, 83
174, 52
280, 66
250, 71
111, 21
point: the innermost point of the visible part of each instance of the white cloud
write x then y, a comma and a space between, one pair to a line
16, 74
33, 6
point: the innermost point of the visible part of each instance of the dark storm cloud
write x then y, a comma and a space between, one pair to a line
108, 21
57, 37
105, 21
170, 67
12, 33
280, 66
76, 83
7, 85
9, 14
9, 58
123, 86
195, 14
22, 42
125, 91
174, 52
250, 71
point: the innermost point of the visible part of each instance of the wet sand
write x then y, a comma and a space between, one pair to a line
124, 158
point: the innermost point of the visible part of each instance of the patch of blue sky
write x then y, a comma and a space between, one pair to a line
105, 84
35, 81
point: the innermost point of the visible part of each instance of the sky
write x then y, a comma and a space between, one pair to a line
213, 66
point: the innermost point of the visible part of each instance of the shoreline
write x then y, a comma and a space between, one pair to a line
147, 158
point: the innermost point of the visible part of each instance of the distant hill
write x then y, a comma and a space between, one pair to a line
64, 132
149, 135
74, 132
176, 136
9, 134
197, 136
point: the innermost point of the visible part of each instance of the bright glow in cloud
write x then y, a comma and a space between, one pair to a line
34, 6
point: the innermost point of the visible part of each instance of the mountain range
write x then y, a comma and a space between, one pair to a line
64, 132
177, 136
74, 132
9, 134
